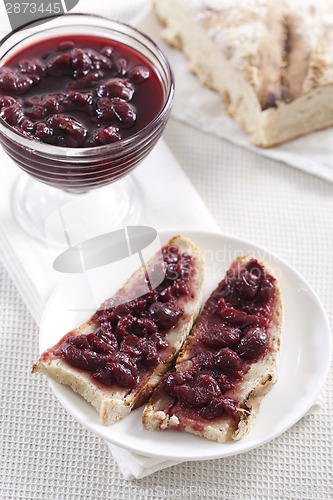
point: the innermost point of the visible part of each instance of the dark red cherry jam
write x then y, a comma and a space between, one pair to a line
131, 338
231, 333
80, 91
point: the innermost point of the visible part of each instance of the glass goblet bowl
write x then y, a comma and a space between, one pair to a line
64, 171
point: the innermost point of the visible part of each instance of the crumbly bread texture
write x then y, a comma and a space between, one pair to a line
271, 60
116, 402
255, 385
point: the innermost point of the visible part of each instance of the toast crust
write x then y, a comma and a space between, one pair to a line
116, 402
256, 383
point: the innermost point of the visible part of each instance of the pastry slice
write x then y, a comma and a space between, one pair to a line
228, 363
118, 356
271, 60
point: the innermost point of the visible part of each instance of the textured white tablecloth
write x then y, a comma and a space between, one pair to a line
45, 454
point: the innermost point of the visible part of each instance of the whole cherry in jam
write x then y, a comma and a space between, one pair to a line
81, 91
201, 393
220, 335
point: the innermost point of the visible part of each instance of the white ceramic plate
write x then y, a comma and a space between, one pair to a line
304, 359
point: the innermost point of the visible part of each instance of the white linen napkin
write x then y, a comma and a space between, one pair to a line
136, 466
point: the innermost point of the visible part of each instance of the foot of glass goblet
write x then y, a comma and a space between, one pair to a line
105, 209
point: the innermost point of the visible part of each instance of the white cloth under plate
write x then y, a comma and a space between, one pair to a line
134, 465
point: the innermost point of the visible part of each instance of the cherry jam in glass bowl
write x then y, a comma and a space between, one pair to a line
82, 100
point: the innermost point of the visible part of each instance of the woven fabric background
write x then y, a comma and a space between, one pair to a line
45, 454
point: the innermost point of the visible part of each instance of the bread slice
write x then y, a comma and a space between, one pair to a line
242, 397
271, 60
115, 401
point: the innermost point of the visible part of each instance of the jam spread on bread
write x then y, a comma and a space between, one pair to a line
131, 337
116, 358
79, 92
232, 332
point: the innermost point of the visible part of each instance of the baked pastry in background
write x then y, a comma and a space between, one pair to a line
271, 60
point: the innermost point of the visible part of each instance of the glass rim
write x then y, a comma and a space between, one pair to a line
62, 151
